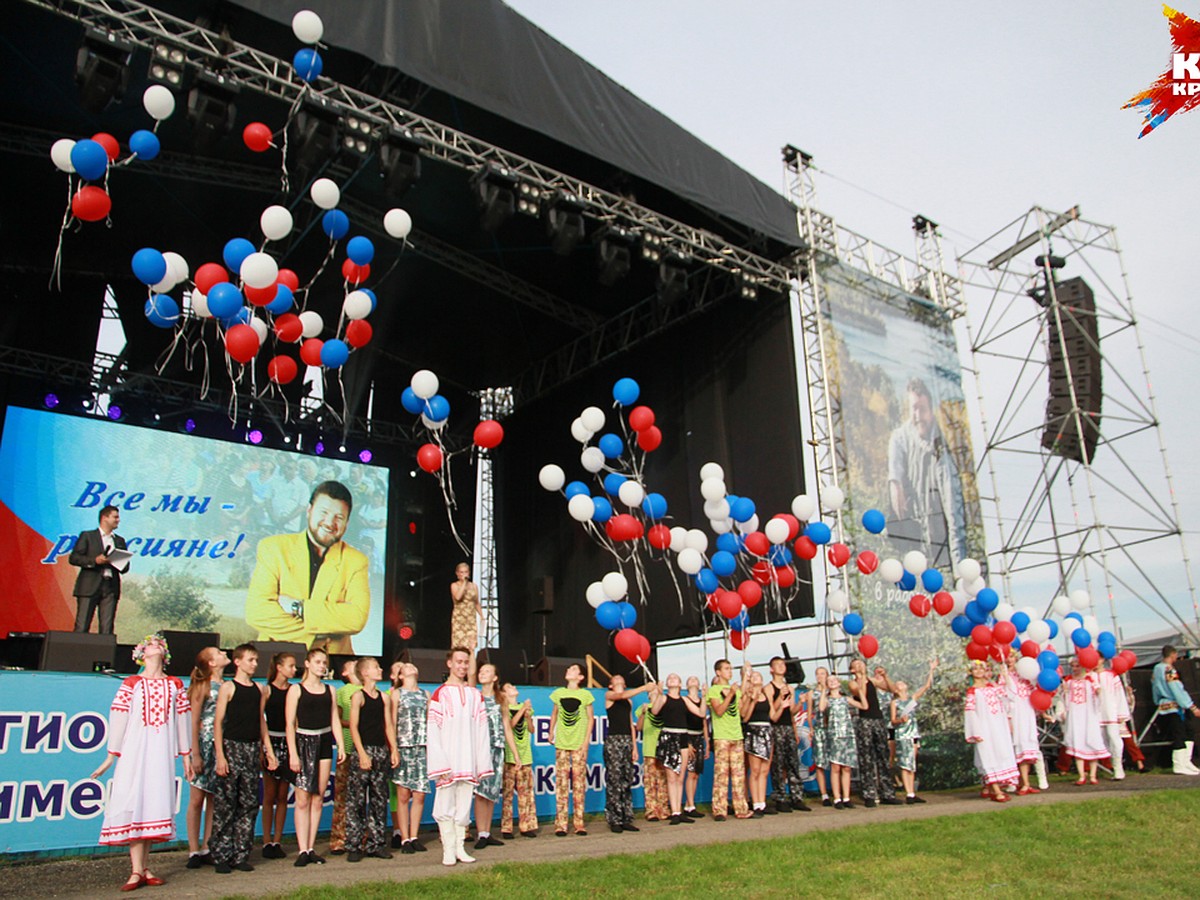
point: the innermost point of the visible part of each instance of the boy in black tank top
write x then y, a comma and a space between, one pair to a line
239, 731
373, 730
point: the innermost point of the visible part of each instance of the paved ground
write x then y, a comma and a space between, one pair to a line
80, 878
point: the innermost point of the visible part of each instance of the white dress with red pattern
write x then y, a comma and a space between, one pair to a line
149, 728
1082, 737
1114, 704
1023, 717
985, 724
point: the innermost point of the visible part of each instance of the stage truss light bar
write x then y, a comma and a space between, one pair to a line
102, 68
495, 193
564, 223
167, 65
613, 257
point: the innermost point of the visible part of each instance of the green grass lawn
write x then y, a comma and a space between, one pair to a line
1098, 848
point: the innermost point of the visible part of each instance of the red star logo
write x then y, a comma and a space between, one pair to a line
1170, 92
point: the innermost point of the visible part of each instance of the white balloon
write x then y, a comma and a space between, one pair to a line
712, 489
424, 383
311, 323
837, 602
1091, 624
159, 102
678, 538
307, 26
1060, 605
697, 540
1028, 668
580, 432
1080, 600
1031, 612
969, 570
616, 586
631, 493
259, 270
177, 266
397, 223
595, 594
275, 222
592, 418
357, 305
915, 562
552, 477
170, 279
592, 459
751, 524
690, 560
432, 425
832, 498
975, 587
803, 507
260, 328
581, 507
1038, 630
1003, 612
720, 526
716, 509
776, 531
960, 602
198, 303
891, 570
711, 470
325, 193
60, 154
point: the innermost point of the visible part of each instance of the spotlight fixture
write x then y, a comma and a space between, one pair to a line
652, 247
189, 425
400, 160
365, 455
50, 401
254, 436
672, 277
114, 412
102, 69
357, 136
319, 448
407, 628
167, 65
922, 225
495, 189
529, 199
747, 286
211, 109
793, 155
314, 136
564, 222
613, 244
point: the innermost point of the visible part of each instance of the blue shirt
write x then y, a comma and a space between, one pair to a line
1167, 688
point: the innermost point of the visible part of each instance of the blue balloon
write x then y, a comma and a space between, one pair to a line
608, 614
575, 487
873, 520
162, 311
1048, 659
334, 353
626, 391
852, 623
370, 293
1078, 617
740, 622
1049, 680
415, 405
235, 254
335, 224
1106, 637
732, 499
611, 445
628, 614
987, 599
907, 581
243, 316
1053, 628
224, 300
283, 302
308, 64
742, 509
360, 250
975, 613
1081, 638
730, 543
780, 555
149, 266
654, 506
1107, 650
1020, 621
961, 626
613, 482
818, 532
602, 510
437, 408
706, 580
932, 580
724, 563
89, 159
145, 144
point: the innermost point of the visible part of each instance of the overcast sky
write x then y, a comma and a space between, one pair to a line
967, 113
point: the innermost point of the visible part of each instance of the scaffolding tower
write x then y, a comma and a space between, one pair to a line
494, 403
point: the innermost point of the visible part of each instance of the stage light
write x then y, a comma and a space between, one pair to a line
612, 253
652, 247
400, 160
672, 278
211, 109
314, 136
792, 155
114, 412
747, 287
189, 425
495, 189
922, 225
341, 448
564, 222
529, 199
167, 65
50, 401
254, 436
357, 136
407, 628
102, 69
412, 473
365, 456
319, 448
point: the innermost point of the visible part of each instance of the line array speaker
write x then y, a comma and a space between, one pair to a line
1073, 355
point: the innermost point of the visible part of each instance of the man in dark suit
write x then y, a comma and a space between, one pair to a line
99, 582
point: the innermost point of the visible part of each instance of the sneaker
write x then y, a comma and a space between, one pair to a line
407, 847
353, 856
846, 804
418, 846
301, 860
686, 821
615, 829
481, 843
757, 814
397, 841
380, 854
837, 804
627, 827
507, 835
675, 820
244, 866
693, 814
494, 842
915, 799
869, 804
825, 801
783, 806
890, 801
316, 860
223, 869
802, 806
768, 811
194, 861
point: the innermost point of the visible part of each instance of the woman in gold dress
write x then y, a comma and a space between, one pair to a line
467, 615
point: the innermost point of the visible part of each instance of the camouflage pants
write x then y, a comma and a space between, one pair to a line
785, 764
654, 786
367, 801
619, 768
235, 803
337, 831
874, 772
570, 777
729, 771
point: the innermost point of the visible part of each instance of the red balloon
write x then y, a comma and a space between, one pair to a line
489, 434
641, 418
1004, 632
241, 343
310, 351
1129, 656
729, 603
1041, 700
256, 136
998, 652
919, 605
761, 572
624, 527
1030, 649
288, 277
839, 555
981, 635
282, 369
1088, 657
1120, 665
429, 457
650, 439
976, 651
260, 296
757, 543
109, 143
785, 576
739, 639
628, 643
711, 603
943, 602
91, 203
659, 537
289, 328
208, 275
805, 548
354, 273
359, 333
867, 561
868, 645
643, 649
750, 592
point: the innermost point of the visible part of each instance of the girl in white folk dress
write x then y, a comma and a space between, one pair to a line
985, 725
1082, 736
1026, 747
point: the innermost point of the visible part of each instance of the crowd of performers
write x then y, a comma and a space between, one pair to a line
472, 738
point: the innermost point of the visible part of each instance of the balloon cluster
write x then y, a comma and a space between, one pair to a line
421, 398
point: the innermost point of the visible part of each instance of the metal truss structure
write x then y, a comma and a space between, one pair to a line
494, 403
1108, 522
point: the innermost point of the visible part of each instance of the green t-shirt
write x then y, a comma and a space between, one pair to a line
343, 696
727, 727
520, 738
651, 726
570, 732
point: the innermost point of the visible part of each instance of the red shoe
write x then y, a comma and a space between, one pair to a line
151, 880
1000, 798
985, 794
1081, 782
1093, 781
136, 880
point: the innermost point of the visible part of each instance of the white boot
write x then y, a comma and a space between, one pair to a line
460, 851
449, 835
1039, 766
1180, 764
1187, 757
